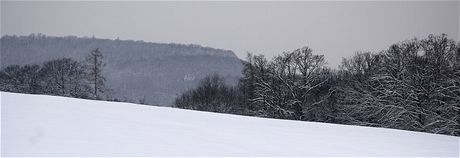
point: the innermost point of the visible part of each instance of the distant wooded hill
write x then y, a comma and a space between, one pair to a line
153, 73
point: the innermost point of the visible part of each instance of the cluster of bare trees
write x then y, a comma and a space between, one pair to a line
414, 85
213, 95
61, 77
294, 85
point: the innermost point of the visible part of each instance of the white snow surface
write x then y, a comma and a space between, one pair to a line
35, 125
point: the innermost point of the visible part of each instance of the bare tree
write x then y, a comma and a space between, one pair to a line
64, 77
94, 68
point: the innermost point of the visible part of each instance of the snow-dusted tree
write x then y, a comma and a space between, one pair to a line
30, 75
414, 85
21, 79
9, 78
282, 88
377, 90
310, 68
439, 76
354, 93
255, 77
267, 94
94, 67
64, 77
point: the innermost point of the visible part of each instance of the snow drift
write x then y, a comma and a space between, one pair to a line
34, 125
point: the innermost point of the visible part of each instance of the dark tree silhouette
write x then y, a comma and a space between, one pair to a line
94, 68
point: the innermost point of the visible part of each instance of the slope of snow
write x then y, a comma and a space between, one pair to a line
34, 125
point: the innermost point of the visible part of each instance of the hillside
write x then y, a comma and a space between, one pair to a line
34, 125
135, 70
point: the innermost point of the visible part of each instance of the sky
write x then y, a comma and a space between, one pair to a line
335, 29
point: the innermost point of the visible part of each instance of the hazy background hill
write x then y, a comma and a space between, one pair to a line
136, 70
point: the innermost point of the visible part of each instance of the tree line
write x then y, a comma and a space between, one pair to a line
60, 77
413, 85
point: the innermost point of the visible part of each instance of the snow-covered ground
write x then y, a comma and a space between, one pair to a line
34, 125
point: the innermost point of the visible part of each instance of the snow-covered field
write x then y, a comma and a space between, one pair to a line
34, 125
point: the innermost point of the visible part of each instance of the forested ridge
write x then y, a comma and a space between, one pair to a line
135, 71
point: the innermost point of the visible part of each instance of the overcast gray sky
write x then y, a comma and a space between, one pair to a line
335, 29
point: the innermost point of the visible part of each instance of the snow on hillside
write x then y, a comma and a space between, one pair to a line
34, 125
